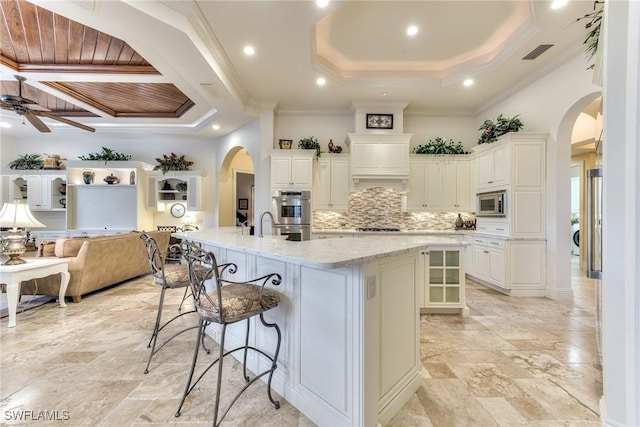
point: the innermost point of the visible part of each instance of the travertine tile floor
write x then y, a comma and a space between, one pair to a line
514, 362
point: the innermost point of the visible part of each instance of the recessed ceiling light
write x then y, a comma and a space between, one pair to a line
321, 81
557, 4
249, 50
412, 30
384, 94
5, 125
216, 127
468, 82
322, 3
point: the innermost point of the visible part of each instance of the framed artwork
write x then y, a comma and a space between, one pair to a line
379, 121
243, 204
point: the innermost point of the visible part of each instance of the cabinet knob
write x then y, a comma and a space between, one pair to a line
486, 252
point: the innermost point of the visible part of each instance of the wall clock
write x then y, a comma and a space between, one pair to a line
379, 121
177, 210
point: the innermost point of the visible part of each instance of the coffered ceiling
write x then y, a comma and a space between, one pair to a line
179, 66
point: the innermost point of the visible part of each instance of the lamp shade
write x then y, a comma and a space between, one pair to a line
16, 214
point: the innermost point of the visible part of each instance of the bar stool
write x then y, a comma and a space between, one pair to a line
171, 276
227, 303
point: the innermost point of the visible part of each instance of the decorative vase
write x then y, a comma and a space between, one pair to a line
87, 176
132, 178
112, 179
285, 144
459, 221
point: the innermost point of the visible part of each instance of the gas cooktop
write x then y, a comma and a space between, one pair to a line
377, 229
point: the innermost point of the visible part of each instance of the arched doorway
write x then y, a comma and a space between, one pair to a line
235, 188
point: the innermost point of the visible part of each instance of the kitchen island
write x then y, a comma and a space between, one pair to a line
349, 315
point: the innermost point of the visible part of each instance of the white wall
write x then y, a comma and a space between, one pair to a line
426, 127
323, 127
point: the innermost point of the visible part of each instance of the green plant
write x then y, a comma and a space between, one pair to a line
574, 218
106, 154
27, 161
594, 22
491, 131
173, 162
440, 146
310, 143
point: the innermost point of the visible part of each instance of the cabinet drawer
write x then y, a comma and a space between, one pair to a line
480, 241
499, 228
494, 243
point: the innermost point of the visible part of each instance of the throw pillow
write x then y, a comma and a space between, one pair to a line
46, 248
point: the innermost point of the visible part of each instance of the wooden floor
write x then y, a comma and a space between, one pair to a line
513, 362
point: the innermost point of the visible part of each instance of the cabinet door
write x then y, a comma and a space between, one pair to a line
444, 278
322, 187
501, 165
38, 192
302, 172
450, 186
497, 271
152, 193
415, 195
57, 189
194, 193
484, 164
433, 185
280, 171
480, 261
339, 184
463, 186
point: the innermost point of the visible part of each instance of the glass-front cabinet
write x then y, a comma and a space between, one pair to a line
444, 288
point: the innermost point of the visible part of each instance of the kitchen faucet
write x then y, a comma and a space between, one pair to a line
262, 217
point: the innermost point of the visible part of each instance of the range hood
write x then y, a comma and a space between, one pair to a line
379, 159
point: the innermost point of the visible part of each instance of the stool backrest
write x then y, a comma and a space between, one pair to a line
154, 255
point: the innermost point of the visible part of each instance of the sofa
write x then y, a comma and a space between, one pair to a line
95, 262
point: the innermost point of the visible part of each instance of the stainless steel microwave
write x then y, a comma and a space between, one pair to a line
493, 203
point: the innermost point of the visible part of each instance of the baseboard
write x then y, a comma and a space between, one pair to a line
559, 295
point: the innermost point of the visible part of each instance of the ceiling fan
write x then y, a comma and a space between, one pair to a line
31, 110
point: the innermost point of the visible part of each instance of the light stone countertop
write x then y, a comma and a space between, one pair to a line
320, 253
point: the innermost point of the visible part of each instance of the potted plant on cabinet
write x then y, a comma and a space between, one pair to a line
106, 154
440, 146
491, 131
173, 162
310, 143
27, 162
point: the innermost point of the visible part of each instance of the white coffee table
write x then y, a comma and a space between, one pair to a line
34, 268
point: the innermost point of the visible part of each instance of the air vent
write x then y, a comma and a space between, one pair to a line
538, 51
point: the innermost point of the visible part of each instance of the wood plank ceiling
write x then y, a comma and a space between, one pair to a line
33, 39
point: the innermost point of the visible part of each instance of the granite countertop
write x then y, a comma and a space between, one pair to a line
403, 232
320, 253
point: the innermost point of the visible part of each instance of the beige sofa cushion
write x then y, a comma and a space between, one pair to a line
69, 247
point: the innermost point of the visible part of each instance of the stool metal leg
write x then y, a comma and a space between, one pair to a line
201, 326
246, 348
274, 363
219, 382
154, 336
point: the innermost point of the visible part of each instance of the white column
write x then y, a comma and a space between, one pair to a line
621, 169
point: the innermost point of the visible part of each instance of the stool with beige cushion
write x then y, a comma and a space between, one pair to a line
228, 302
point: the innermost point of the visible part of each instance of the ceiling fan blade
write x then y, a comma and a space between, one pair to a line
66, 121
35, 107
36, 122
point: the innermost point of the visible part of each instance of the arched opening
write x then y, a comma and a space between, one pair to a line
236, 189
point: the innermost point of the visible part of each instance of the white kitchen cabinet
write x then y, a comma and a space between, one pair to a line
444, 280
489, 260
514, 267
331, 183
455, 185
292, 169
516, 163
41, 190
438, 184
493, 168
174, 186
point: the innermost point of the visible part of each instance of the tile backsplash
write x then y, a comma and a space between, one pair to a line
382, 207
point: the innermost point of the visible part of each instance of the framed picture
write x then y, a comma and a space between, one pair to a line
243, 204
379, 121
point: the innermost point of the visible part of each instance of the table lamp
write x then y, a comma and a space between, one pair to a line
15, 215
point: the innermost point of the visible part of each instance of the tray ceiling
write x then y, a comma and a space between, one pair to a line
35, 40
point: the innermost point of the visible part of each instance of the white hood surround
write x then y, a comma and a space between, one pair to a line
379, 157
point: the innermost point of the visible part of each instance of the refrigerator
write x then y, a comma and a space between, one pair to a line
594, 228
